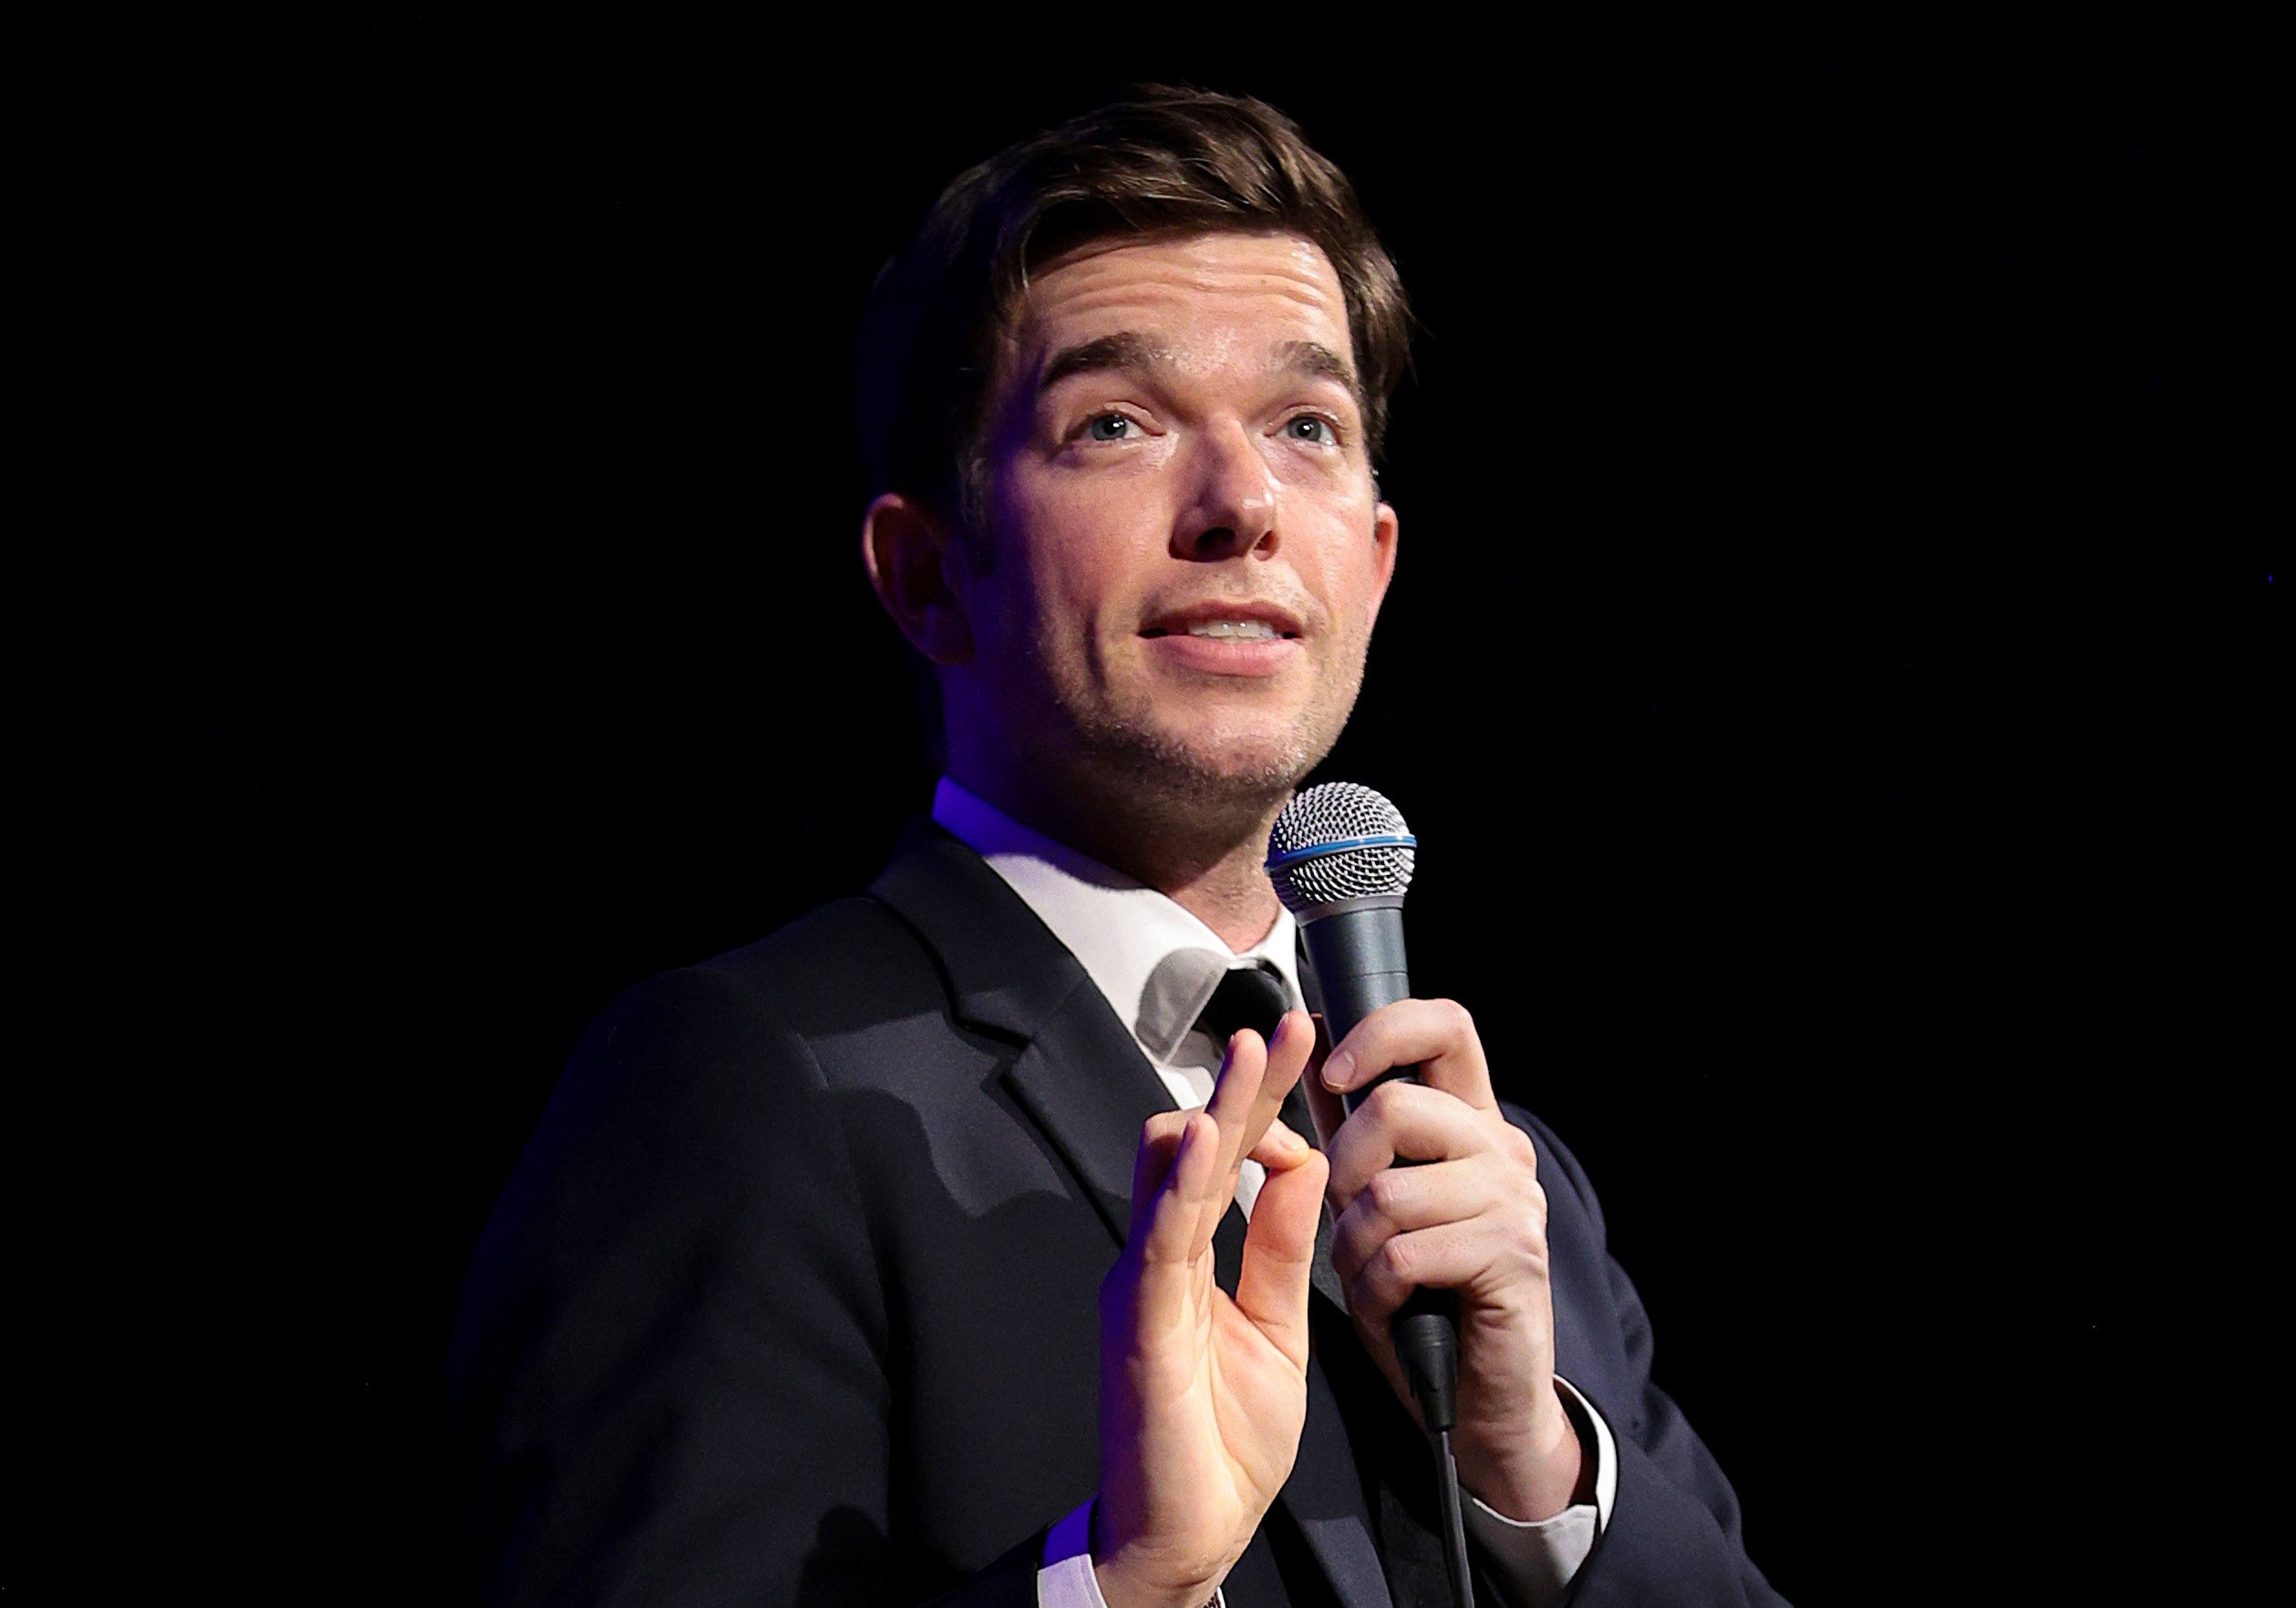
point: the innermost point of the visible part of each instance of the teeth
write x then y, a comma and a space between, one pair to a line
1236, 630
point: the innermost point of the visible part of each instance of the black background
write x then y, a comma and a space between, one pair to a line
1830, 671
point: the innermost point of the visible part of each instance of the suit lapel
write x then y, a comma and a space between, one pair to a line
1082, 1078
1079, 1075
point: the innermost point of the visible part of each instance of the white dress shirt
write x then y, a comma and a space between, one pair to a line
1157, 964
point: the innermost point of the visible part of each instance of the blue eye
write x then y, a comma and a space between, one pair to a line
1308, 428
1109, 426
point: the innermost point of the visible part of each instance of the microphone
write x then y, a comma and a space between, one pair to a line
1341, 858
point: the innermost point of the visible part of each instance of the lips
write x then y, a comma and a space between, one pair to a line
1234, 642
1215, 619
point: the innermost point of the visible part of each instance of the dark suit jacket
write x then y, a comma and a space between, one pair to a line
792, 1296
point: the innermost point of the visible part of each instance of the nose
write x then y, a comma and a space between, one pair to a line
1231, 511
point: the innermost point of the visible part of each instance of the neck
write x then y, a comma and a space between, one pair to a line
1209, 861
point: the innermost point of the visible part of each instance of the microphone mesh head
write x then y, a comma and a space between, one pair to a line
1334, 813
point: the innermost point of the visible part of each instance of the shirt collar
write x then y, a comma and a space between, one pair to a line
1154, 961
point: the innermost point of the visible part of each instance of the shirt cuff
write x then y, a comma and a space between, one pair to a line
1535, 1559
1067, 1580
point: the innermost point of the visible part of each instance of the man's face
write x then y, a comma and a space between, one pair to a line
1187, 549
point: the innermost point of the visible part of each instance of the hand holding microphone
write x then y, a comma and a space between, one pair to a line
1448, 1255
1440, 1240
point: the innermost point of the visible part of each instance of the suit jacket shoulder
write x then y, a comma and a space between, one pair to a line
792, 1295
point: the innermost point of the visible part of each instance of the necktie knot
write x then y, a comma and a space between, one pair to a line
1247, 997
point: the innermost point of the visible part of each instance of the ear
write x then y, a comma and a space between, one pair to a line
1387, 526
910, 556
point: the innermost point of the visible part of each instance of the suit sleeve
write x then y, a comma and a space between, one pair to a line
1673, 1534
671, 1362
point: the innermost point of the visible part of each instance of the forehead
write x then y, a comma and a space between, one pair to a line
1208, 296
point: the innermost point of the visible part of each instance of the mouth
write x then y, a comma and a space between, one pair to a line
1217, 621
1235, 644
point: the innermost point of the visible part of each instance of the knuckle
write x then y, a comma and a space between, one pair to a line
1387, 1192
1386, 1102
1340, 1148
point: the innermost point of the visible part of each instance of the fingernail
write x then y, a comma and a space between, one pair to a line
1337, 1068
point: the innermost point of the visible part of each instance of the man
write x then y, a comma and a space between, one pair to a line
890, 1257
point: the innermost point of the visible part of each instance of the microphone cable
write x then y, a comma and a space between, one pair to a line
1455, 1522
1426, 1335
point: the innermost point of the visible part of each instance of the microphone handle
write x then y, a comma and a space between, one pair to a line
1360, 967
1365, 994
1358, 955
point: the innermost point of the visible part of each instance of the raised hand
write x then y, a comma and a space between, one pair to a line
1472, 1219
1201, 1398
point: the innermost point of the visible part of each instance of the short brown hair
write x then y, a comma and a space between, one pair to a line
1160, 161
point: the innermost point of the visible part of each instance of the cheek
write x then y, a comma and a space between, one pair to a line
1346, 560
1105, 593
1080, 591
1093, 556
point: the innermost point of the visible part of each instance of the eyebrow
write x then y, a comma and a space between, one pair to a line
1320, 362
1131, 350
1126, 349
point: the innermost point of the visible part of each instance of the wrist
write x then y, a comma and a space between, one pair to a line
1129, 1578
1531, 1475
1119, 1589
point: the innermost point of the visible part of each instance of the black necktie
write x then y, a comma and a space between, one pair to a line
1248, 996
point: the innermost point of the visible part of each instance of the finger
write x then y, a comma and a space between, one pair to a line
1279, 1146
1235, 1094
1405, 1121
1146, 1293
1168, 1235
1153, 1165
1284, 1054
1403, 1200
1279, 1245
1446, 1257
1168, 1232
1290, 1048
1437, 1035
1159, 1143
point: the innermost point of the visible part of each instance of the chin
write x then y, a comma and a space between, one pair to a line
1232, 754
1243, 765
